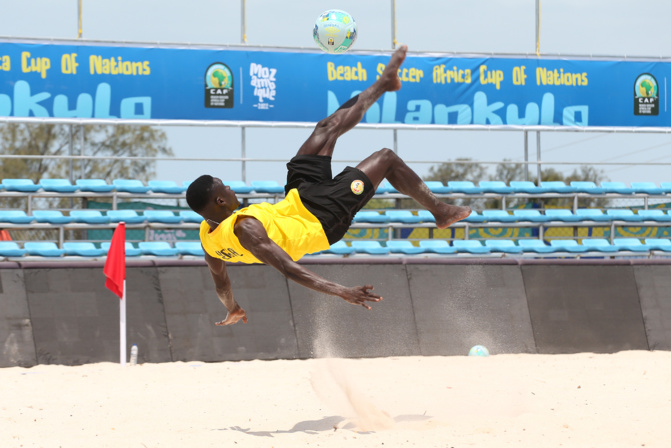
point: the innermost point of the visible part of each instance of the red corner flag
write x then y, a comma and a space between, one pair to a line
115, 266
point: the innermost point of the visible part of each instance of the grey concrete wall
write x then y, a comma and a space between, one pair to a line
62, 313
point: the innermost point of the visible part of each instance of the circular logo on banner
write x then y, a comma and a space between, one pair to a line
357, 187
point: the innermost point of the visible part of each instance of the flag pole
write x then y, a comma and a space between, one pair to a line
122, 327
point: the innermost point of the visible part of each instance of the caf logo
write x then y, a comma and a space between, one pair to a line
357, 187
646, 95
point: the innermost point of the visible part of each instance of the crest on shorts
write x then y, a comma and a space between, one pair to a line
357, 187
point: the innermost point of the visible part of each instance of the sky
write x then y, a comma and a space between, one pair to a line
568, 27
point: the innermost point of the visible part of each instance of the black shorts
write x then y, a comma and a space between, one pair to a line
333, 200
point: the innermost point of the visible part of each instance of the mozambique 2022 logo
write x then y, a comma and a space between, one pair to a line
646, 95
219, 86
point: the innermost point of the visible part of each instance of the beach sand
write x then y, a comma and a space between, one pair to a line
580, 400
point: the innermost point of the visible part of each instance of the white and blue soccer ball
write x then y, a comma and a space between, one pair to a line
335, 31
478, 350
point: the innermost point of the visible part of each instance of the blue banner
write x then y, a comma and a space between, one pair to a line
77, 80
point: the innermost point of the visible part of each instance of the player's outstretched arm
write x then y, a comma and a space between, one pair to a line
222, 285
254, 238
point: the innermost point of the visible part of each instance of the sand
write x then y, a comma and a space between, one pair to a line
581, 400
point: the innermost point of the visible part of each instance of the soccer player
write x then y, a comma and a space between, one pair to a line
317, 210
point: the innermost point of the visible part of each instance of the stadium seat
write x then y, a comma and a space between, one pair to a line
403, 216
186, 184
647, 188
630, 244
369, 247
190, 216
130, 186
526, 186
530, 215
498, 216
536, 246
562, 215
11, 249
598, 245
370, 216
94, 185
654, 215
43, 249
89, 216
267, 186
495, 186
83, 249
616, 187
130, 249
665, 186
384, 187
190, 248
474, 217
557, 186
404, 247
623, 215
437, 247
505, 246
239, 186
592, 214
426, 216
51, 216
470, 246
437, 187
587, 187
340, 248
24, 185
58, 185
571, 246
463, 186
165, 186
127, 216
663, 244
15, 217
157, 248
162, 216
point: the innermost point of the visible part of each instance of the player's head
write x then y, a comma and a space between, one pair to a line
207, 195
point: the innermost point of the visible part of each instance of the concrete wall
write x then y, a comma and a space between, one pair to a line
61, 313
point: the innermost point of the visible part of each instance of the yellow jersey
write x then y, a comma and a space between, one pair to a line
288, 223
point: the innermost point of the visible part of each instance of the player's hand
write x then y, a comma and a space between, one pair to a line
233, 317
359, 295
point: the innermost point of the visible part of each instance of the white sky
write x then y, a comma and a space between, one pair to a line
575, 27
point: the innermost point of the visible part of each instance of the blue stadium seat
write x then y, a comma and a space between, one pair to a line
370, 216
186, 184
557, 186
654, 215
426, 216
437, 247
526, 186
94, 185
405, 247
536, 246
616, 187
267, 186
157, 248
51, 216
663, 244
437, 187
127, 216
630, 244
239, 186
43, 249
598, 245
474, 217
24, 185
404, 216
190, 248
130, 249
498, 216
162, 216
463, 186
340, 248
190, 216
130, 186
89, 216
58, 185
370, 247
505, 246
665, 186
567, 246
470, 246
165, 186
495, 186
11, 249
83, 249
587, 187
623, 215
592, 214
562, 215
384, 187
15, 217
530, 215
647, 188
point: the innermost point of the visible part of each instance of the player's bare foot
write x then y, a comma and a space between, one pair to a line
389, 77
449, 214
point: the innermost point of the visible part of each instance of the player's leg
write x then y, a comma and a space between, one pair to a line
385, 164
323, 139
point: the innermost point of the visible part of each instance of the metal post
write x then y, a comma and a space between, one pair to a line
243, 19
243, 153
393, 24
537, 44
71, 153
396, 141
82, 170
79, 20
526, 155
538, 156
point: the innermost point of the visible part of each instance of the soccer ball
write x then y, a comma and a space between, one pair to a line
335, 31
478, 350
